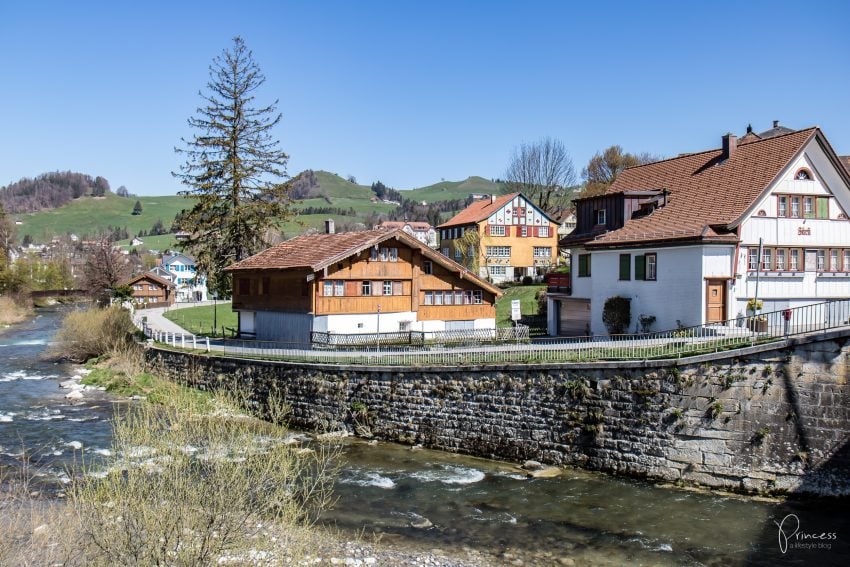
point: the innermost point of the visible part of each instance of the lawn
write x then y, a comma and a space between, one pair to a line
528, 303
199, 320
161, 242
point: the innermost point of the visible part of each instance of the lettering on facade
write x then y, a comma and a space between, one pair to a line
804, 231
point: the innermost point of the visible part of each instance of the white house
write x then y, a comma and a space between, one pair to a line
679, 238
191, 286
421, 231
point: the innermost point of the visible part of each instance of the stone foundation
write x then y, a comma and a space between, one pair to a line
766, 421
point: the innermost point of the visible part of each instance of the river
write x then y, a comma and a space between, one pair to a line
470, 504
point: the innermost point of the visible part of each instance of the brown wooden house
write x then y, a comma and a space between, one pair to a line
375, 281
150, 290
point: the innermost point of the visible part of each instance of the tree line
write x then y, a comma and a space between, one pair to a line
50, 190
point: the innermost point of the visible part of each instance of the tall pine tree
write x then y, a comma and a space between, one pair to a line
234, 168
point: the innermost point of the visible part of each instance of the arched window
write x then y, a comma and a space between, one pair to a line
803, 174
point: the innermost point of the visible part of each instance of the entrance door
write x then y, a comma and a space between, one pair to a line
715, 301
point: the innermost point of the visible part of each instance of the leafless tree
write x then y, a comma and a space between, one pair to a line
543, 171
604, 167
104, 269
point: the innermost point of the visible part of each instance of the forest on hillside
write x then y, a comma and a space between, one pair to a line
50, 190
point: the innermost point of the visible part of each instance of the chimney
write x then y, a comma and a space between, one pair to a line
776, 123
329, 226
730, 143
492, 199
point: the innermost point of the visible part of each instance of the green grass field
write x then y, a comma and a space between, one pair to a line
199, 320
161, 242
528, 303
90, 215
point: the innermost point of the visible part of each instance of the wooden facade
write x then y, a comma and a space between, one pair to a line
148, 288
364, 283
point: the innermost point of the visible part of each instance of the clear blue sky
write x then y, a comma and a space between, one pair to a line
412, 92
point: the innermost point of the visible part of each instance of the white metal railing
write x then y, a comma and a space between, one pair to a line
687, 341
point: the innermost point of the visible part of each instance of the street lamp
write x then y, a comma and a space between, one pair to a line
215, 319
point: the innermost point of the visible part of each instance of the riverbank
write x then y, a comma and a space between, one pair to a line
13, 311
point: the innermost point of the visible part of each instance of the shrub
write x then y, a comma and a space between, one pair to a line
617, 314
13, 310
185, 488
542, 304
527, 280
93, 332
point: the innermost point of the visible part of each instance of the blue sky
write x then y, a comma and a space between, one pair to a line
414, 92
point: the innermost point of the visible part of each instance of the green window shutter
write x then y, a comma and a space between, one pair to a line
625, 266
640, 267
582, 265
823, 208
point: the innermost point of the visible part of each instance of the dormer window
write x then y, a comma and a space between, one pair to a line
600, 217
803, 174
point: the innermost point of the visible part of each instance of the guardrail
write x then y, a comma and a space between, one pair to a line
686, 341
468, 337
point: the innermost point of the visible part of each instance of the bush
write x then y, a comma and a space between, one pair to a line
14, 310
185, 488
542, 304
94, 332
617, 314
527, 280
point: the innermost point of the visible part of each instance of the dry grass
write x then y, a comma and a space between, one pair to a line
14, 310
93, 332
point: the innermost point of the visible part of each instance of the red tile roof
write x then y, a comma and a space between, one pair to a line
707, 195
317, 251
149, 276
478, 211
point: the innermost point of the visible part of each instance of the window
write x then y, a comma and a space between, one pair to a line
428, 267
794, 260
244, 286
151, 287
497, 270
651, 262
766, 259
328, 290
388, 288
467, 297
782, 209
449, 298
499, 251
476, 295
625, 266
458, 254
753, 259
445, 252
600, 216
543, 232
780, 259
438, 298
803, 175
339, 288
429, 298
584, 265
823, 208
366, 288
523, 231
845, 264
497, 230
542, 252
833, 261
795, 207
138, 287
384, 254
459, 298
809, 207
821, 261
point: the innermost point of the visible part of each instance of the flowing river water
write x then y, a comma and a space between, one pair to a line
465, 506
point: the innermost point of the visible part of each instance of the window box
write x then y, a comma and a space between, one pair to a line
757, 324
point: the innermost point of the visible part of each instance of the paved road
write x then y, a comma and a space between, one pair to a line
156, 319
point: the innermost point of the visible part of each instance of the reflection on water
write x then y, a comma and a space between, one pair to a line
431, 499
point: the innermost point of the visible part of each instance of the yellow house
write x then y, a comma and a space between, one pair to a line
502, 238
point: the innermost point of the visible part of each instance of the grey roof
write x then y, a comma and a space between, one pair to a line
171, 257
777, 130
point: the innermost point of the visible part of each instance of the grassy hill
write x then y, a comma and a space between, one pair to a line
90, 215
449, 190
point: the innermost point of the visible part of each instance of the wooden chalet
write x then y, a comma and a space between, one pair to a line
376, 281
150, 290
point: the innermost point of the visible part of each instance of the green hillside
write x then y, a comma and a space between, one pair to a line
91, 215
449, 190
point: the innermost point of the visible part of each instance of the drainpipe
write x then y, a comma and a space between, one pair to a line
758, 277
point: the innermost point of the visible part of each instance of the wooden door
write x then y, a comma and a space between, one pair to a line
715, 301
574, 318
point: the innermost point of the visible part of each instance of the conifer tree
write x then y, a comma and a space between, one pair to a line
137, 208
234, 169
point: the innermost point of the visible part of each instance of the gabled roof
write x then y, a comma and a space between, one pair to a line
149, 276
167, 259
482, 209
708, 196
315, 252
479, 210
845, 160
415, 225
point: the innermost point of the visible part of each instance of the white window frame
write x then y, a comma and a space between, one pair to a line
600, 217
497, 230
498, 270
388, 287
542, 252
651, 269
499, 251
328, 288
543, 232
429, 298
339, 288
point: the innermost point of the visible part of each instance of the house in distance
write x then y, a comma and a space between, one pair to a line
375, 281
679, 238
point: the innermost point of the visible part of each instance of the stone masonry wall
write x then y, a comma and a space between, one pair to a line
768, 421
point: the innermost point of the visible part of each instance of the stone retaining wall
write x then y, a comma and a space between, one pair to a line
767, 421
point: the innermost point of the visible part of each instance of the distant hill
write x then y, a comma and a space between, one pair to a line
50, 190
325, 195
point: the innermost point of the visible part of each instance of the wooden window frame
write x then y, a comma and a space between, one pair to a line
752, 255
808, 173
820, 260
654, 275
845, 260
784, 256
795, 199
782, 211
794, 253
600, 213
366, 288
808, 206
834, 267
428, 267
429, 298
766, 259
387, 286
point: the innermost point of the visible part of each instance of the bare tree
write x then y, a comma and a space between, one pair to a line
604, 167
7, 236
543, 171
104, 269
